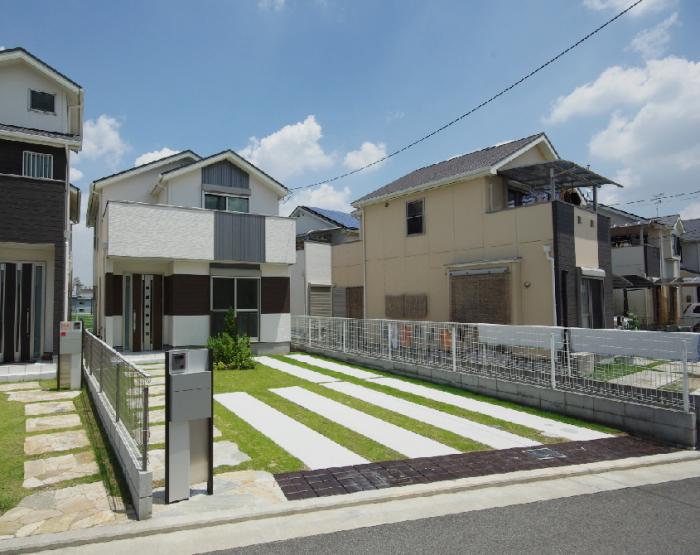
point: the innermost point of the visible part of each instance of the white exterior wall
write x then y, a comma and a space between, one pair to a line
318, 263
186, 330
136, 230
280, 241
297, 285
185, 190
263, 200
275, 328
16, 79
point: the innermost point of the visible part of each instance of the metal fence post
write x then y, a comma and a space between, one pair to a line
345, 333
102, 364
144, 432
686, 393
388, 336
454, 349
553, 361
117, 400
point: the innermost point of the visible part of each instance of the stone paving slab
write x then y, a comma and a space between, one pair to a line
647, 378
43, 472
60, 441
155, 390
38, 409
156, 401
19, 386
39, 396
334, 481
58, 422
73, 508
226, 453
156, 416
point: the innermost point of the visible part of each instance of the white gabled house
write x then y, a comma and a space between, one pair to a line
179, 241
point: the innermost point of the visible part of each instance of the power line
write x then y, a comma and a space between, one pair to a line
478, 107
657, 198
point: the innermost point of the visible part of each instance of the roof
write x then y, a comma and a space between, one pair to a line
564, 173
342, 219
692, 230
670, 220
454, 167
38, 132
21, 52
632, 217
154, 163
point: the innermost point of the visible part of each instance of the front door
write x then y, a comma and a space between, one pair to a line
21, 311
143, 305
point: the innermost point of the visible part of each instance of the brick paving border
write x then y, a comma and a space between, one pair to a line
306, 484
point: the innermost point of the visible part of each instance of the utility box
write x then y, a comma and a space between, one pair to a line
70, 351
189, 423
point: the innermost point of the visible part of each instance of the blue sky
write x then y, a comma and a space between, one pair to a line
310, 88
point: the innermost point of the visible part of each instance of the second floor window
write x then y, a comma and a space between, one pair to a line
414, 217
42, 101
36, 164
226, 203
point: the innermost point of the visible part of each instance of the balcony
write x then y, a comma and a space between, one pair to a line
633, 258
138, 230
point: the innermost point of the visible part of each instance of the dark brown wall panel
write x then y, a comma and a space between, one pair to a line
11, 157
114, 298
274, 295
565, 264
605, 262
186, 295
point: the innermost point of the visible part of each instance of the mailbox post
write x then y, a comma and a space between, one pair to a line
189, 422
70, 351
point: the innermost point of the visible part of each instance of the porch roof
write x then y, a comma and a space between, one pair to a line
566, 174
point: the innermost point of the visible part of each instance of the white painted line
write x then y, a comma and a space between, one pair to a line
493, 437
335, 367
547, 426
399, 439
310, 447
294, 370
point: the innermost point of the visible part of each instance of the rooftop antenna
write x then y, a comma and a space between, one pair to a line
657, 199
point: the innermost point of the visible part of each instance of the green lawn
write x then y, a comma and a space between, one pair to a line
12, 459
620, 368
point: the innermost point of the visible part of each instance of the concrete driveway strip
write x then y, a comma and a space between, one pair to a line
399, 439
488, 435
335, 367
294, 370
547, 426
313, 449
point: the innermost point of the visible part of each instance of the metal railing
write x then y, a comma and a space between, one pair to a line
646, 367
125, 388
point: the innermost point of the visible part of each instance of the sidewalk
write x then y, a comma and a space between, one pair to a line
240, 526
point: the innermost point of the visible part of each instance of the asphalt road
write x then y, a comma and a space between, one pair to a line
663, 518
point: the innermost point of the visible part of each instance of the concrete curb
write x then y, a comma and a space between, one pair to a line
155, 526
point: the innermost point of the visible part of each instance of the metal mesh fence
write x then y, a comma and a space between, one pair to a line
653, 368
124, 386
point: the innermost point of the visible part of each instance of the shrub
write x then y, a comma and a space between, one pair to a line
230, 350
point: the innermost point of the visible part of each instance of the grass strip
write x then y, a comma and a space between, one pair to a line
457, 411
12, 460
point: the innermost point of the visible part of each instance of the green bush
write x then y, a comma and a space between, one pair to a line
230, 350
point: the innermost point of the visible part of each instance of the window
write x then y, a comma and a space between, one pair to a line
414, 217
241, 294
226, 203
35, 164
42, 101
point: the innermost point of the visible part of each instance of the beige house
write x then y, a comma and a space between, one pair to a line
499, 235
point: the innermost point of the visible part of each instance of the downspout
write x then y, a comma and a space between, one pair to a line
548, 254
363, 231
66, 238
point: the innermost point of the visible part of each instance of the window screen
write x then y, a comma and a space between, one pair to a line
414, 217
44, 102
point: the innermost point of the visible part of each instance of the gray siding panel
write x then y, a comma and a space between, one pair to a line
225, 173
239, 237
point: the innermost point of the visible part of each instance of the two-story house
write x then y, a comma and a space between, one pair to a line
40, 125
646, 258
500, 235
181, 240
318, 230
690, 263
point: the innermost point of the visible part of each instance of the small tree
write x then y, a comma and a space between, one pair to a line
230, 350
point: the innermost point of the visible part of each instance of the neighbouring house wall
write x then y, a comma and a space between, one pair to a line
605, 263
586, 238
457, 230
297, 283
306, 222
347, 265
627, 261
318, 263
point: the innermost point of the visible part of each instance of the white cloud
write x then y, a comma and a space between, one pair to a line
323, 196
691, 211
75, 175
652, 43
651, 133
395, 116
271, 5
366, 154
102, 141
290, 151
648, 6
154, 155
614, 195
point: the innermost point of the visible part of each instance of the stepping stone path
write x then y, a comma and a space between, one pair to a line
19, 386
39, 396
156, 416
43, 472
59, 422
156, 401
38, 409
59, 441
73, 508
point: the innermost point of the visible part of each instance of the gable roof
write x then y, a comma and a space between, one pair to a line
232, 157
668, 220
692, 230
341, 219
184, 154
19, 53
471, 163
